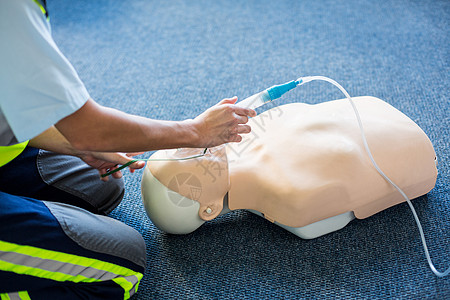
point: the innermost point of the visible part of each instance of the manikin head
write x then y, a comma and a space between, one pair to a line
179, 196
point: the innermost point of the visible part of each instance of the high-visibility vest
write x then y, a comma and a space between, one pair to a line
8, 153
43, 6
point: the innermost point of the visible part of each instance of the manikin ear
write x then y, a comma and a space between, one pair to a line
209, 212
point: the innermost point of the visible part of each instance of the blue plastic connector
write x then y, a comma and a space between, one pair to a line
277, 91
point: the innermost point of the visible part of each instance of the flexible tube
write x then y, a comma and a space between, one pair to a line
303, 80
152, 159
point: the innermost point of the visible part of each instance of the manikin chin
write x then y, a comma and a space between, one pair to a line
303, 167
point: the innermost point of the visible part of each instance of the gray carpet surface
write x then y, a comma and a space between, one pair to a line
173, 59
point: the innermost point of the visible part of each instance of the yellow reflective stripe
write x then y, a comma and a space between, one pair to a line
24, 295
41, 7
68, 259
126, 285
4, 297
36, 272
8, 153
139, 276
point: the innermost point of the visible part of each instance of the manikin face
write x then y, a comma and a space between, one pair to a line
301, 164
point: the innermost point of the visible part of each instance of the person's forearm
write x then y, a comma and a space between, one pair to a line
53, 140
97, 128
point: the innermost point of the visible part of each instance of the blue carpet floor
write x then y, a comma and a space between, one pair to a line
173, 59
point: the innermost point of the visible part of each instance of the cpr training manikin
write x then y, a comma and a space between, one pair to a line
301, 164
306, 168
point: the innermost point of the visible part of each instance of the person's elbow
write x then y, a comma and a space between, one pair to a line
83, 127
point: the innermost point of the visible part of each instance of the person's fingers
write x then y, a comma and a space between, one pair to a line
105, 160
241, 119
117, 174
136, 165
134, 154
125, 158
101, 172
228, 101
122, 158
244, 111
235, 138
244, 129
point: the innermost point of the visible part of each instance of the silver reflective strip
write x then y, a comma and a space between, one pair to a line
62, 267
55, 266
134, 280
14, 296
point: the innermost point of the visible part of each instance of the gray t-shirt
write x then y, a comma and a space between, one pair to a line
38, 85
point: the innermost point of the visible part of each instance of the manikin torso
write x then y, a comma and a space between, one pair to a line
301, 165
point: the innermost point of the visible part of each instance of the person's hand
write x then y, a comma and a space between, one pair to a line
107, 161
223, 123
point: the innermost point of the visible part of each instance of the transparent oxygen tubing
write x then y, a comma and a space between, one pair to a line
303, 80
152, 159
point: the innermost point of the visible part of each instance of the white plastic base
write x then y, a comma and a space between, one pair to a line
319, 228
176, 214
